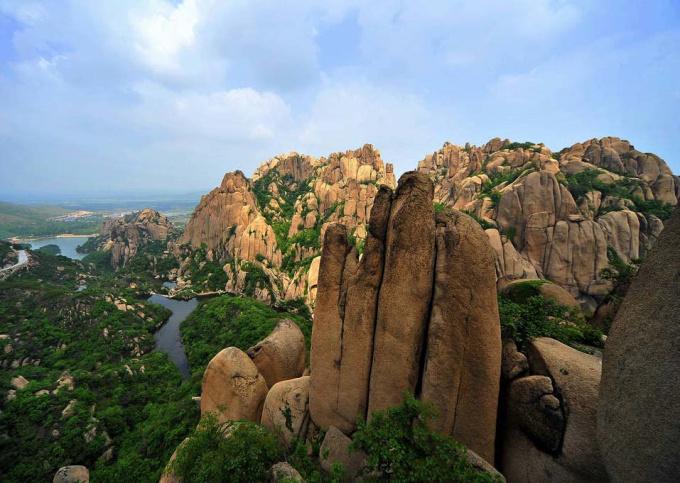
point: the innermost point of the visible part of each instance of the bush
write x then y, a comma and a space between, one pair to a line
400, 447
525, 316
245, 455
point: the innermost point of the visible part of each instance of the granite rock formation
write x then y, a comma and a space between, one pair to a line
124, 236
383, 323
553, 215
639, 415
550, 411
267, 231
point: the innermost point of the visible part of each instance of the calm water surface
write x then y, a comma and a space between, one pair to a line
67, 245
168, 338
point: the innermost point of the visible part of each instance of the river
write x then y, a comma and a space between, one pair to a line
168, 337
67, 245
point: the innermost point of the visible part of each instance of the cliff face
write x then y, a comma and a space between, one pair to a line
567, 216
267, 230
125, 235
554, 215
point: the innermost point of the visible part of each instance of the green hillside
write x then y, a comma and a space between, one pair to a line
34, 220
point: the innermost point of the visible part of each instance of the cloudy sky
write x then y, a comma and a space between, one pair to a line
165, 96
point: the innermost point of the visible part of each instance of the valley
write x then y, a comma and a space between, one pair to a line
312, 274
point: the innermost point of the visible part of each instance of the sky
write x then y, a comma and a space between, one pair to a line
158, 96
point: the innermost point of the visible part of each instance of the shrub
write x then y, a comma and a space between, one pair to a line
245, 455
525, 316
401, 447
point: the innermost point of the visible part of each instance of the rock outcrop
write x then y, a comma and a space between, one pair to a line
232, 387
384, 324
462, 360
286, 409
550, 414
281, 355
72, 474
553, 215
639, 414
299, 196
124, 236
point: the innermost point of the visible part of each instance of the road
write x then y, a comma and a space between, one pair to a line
23, 260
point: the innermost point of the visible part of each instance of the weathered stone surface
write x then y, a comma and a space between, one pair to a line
513, 362
281, 355
356, 306
284, 472
327, 329
286, 409
72, 474
335, 449
537, 411
483, 466
232, 387
551, 417
168, 476
124, 236
461, 375
19, 382
360, 306
405, 293
639, 414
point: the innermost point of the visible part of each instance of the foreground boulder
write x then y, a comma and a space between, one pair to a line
286, 409
281, 355
639, 410
72, 474
232, 387
551, 416
335, 449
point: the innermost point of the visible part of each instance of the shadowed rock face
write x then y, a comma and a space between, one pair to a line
639, 413
416, 313
462, 362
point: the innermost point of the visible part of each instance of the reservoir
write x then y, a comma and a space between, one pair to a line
168, 337
67, 245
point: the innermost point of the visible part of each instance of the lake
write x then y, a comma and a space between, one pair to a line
168, 337
67, 245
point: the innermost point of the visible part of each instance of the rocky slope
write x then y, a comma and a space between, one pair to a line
554, 215
575, 217
124, 236
266, 231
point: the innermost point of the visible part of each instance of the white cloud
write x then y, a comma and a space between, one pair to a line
151, 86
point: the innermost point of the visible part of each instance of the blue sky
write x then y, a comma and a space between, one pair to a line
160, 96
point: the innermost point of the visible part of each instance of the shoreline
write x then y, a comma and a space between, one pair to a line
15, 239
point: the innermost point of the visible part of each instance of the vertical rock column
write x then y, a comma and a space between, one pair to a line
405, 293
325, 357
344, 323
461, 375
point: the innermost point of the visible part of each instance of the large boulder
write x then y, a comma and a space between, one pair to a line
639, 413
461, 374
335, 449
232, 387
551, 417
405, 293
72, 474
286, 409
281, 355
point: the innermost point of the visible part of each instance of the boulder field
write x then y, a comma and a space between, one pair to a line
561, 216
417, 312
